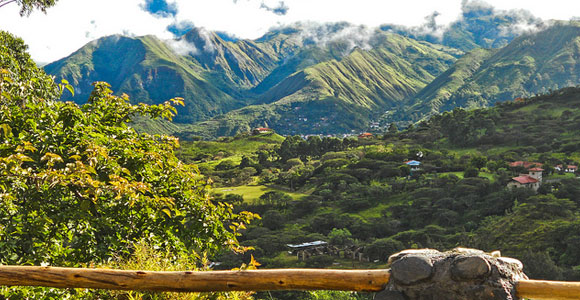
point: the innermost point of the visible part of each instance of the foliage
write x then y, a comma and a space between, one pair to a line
78, 185
27, 6
340, 237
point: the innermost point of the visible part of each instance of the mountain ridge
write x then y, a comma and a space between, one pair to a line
290, 77
534, 63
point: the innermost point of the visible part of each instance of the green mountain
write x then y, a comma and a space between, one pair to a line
291, 75
326, 79
340, 95
146, 69
208, 72
534, 63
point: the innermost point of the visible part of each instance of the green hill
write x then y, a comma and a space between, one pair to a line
340, 95
360, 192
210, 73
532, 64
289, 78
318, 79
146, 69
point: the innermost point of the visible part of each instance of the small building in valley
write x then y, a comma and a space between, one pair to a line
305, 250
567, 168
414, 165
532, 180
261, 130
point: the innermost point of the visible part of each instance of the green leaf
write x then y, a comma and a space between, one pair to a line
6, 130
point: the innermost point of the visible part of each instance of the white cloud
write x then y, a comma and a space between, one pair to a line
72, 23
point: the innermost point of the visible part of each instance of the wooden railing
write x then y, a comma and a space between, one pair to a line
249, 280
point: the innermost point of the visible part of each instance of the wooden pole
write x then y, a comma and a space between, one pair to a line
540, 290
249, 280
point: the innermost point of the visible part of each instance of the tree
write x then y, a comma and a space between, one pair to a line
470, 172
27, 6
340, 237
478, 161
78, 185
275, 199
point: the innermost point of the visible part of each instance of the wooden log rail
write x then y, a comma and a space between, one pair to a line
249, 280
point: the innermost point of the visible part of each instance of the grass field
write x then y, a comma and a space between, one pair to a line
252, 192
481, 174
560, 176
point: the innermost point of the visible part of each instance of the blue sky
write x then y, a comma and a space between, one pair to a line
72, 23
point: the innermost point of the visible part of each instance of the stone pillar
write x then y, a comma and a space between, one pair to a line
459, 274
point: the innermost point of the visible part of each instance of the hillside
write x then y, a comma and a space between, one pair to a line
146, 69
288, 79
340, 95
326, 78
531, 64
208, 72
359, 196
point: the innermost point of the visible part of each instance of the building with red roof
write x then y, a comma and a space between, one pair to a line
532, 180
525, 164
567, 169
365, 135
261, 130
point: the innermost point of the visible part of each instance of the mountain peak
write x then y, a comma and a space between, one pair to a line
203, 40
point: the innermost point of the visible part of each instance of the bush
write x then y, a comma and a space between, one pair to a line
470, 172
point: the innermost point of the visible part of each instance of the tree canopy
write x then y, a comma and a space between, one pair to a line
27, 6
78, 185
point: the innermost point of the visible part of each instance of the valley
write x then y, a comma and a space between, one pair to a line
359, 194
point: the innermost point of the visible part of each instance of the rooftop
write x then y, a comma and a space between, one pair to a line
310, 244
412, 163
525, 179
525, 164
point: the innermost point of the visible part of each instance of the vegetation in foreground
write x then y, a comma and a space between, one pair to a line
81, 188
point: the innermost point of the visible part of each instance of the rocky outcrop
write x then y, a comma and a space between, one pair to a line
460, 274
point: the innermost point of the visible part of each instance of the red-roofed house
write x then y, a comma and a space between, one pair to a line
533, 180
567, 169
261, 130
365, 135
525, 164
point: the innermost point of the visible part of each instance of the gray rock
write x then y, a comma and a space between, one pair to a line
424, 251
470, 267
460, 274
513, 262
411, 269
